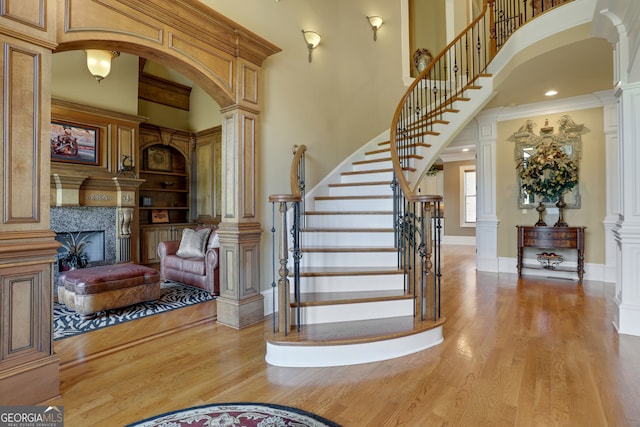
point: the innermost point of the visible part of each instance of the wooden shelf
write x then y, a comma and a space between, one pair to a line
167, 190
152, 172
163, 190
149, 208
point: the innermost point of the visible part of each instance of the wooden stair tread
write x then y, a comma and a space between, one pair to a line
333, 298
347, 271
386, 159
381, 150
376, 171
353, 332
357, 184
352, 197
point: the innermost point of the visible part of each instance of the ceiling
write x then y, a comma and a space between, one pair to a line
580, 68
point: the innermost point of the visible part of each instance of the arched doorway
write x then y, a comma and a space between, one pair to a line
220, 56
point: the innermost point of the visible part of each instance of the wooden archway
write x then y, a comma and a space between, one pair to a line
217, 54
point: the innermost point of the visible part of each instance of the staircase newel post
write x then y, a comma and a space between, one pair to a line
283, 284
284, 295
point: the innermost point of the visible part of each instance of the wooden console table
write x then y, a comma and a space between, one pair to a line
551, 238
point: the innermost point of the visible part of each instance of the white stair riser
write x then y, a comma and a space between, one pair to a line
361, 167
349, 221
347, 239
376, 282
317, 355
350, 312
349, 259
366, 177
333, 205
362, 190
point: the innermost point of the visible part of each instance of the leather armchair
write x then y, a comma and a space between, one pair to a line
201, 272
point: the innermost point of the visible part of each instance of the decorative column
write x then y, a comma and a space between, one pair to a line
610, 222
29, 368
486, 218
627, 294
240, 303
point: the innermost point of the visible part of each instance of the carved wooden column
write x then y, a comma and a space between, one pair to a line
240, 303
29, 369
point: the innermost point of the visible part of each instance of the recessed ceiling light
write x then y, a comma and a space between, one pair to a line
465, 150
551, 93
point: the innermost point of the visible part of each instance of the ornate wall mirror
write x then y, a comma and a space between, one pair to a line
569, 136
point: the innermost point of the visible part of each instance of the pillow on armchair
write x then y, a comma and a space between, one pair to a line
193, 243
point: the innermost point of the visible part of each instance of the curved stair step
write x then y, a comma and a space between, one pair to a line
354, 342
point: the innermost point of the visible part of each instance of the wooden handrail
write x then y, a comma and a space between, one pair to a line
452, 73
294, 178
294, 175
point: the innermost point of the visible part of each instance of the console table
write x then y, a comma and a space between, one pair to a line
551, 238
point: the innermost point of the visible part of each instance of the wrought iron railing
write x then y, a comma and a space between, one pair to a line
448, 79
294, 203
451, 77
419, 229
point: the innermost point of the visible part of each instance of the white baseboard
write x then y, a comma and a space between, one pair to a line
459, 240
591, 271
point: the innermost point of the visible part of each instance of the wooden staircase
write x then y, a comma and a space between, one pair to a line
354, 304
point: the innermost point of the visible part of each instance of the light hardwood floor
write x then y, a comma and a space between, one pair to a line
534, 352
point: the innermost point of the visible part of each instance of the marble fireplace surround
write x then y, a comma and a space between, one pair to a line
85, 203
74, 219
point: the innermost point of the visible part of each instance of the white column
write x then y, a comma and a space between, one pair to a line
627, 236
486, 217
610, 222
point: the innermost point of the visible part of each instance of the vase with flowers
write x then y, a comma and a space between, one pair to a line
549, 173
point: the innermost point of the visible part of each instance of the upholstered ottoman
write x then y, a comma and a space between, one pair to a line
93, 289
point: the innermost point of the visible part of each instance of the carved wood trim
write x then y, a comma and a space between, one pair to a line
165, 92
171, 33
21, 150
29, 21
27, 13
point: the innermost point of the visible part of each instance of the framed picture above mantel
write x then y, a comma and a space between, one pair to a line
75, 143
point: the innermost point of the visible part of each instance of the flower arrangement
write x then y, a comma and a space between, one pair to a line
549, 172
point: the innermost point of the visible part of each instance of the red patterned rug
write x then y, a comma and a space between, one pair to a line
237, 415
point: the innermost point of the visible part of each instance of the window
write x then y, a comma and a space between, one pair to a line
467, 196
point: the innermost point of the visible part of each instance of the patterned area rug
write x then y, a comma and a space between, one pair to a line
237, 415
67, 323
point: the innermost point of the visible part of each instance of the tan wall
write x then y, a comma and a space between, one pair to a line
427, 26
452, 205
592, 184
71, 81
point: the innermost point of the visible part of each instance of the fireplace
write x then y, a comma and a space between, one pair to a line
94, 242
98, 223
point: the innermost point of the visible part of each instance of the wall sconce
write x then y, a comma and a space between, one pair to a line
376, 23
99, 62
312, 39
